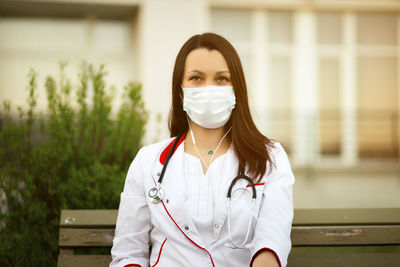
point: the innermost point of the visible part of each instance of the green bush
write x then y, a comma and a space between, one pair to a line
75, 156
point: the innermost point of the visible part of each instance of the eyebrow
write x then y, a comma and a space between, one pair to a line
218, 72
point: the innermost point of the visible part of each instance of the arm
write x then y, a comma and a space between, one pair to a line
272, 232
265, 258
130, 245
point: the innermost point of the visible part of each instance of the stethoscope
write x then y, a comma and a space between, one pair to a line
156, 195
252, 210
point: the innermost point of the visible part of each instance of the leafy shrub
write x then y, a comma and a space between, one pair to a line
74, 157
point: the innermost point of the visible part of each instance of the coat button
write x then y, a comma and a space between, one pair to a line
216, 225
186, 227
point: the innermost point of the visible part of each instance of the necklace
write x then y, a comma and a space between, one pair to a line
209, 152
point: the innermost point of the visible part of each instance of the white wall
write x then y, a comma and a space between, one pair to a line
40, 43
164, 27
357, 188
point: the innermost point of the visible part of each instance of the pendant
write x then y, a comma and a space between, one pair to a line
210, 152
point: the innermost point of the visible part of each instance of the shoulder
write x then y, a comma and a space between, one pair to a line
279, 158
151, 152
146, 158
275, 149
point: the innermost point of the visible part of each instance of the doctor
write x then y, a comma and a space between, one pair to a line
176, 191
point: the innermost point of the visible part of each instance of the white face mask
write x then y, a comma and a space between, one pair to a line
210, 106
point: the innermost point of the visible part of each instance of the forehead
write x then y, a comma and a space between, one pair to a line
205, 60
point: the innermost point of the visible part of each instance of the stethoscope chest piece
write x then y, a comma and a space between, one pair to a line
156, 194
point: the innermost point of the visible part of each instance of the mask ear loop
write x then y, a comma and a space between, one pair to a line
181, 94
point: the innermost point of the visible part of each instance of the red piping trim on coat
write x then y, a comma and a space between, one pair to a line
255, 184
159, 253
164, 153
194, 243
268, 249
132, 265
154, 184
163, 157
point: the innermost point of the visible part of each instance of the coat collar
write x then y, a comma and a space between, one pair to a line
166, 151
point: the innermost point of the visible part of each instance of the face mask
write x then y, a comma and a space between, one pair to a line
210, 106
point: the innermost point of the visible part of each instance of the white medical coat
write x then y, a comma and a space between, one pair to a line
168, 225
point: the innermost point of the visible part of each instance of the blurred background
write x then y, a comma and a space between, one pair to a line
323, 75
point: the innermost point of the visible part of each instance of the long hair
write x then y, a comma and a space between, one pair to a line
250, 146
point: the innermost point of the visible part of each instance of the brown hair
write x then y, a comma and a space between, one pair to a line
249, 144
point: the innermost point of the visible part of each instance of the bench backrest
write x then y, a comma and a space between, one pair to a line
320, 237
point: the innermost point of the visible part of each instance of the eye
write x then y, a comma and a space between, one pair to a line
222, 79
194, 78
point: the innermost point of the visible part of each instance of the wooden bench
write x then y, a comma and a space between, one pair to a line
320, 237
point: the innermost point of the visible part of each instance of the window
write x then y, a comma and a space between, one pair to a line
329, 39
356, 114
377, 92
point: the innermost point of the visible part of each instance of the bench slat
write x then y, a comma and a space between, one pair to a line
86, 237
295, 260
90, 218
344, 259
301, 236
346, 235
101, 218
346, 216
83, 260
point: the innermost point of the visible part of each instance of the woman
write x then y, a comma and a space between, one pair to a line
183, 210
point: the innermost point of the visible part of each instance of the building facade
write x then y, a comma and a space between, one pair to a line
323, 75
